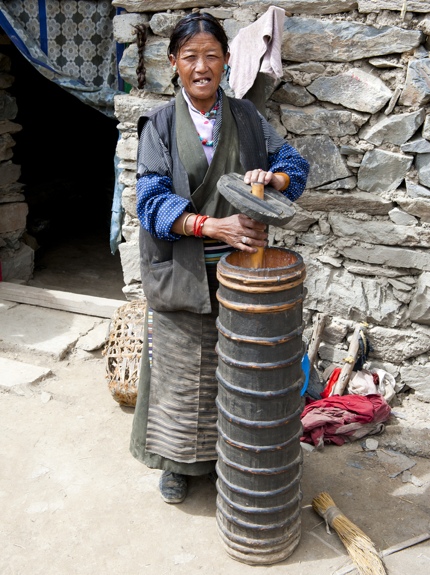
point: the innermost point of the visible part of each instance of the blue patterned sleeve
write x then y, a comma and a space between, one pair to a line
157, 206
288, 160
284, 158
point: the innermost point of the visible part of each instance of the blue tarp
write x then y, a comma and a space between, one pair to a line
117, 210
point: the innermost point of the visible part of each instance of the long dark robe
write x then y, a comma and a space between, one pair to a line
174, 426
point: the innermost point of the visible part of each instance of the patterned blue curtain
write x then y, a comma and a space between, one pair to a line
70, 42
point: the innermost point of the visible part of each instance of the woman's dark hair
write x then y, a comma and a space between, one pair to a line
193, 24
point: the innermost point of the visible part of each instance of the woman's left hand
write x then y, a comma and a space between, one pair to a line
266, 178
238, 230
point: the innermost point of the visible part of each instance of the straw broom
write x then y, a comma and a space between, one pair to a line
360, 548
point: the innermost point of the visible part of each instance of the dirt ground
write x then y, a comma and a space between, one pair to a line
83, 265
74, 501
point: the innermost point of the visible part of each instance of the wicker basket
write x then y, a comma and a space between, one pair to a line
123, 351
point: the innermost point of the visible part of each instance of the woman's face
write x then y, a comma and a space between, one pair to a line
200, 65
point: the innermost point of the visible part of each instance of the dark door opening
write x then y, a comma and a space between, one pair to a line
66, 153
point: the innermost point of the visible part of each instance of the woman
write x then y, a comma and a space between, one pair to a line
185, 146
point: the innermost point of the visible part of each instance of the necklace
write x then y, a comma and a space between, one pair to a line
212, 112
211, 115
206, 142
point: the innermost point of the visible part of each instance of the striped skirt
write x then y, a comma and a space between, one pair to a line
175, 416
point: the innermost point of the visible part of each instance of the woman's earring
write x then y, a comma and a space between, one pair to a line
225, 67
174, 69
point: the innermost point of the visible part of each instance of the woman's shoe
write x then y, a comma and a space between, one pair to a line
173, 487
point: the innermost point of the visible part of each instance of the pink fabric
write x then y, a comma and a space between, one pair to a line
337, 418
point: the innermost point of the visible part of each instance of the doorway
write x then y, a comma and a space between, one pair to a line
66, 153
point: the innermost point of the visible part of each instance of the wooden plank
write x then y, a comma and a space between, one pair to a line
65, 301
316, 338
349, 362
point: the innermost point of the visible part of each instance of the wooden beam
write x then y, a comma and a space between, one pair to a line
65, 301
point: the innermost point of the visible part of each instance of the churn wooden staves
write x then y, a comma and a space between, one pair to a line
260, 348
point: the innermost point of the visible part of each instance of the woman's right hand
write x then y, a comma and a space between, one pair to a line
239, 231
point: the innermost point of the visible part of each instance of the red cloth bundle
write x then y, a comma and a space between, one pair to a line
340, 417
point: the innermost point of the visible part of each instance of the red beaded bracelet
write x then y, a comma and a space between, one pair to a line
196, 224
199, 231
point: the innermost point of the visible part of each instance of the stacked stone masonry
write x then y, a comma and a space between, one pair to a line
16, 257
354, 99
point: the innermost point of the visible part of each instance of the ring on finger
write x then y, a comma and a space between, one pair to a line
244, 240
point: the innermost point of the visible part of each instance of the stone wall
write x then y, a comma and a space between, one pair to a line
16, 257
354, 100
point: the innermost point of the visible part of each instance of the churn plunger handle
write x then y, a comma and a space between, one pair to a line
257, 189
